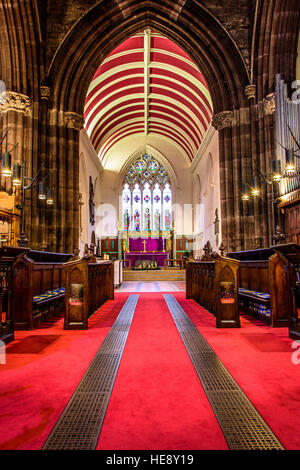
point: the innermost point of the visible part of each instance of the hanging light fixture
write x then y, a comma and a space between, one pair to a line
6, 164
50, 197
42, 191
255, 191
290, 161
16, 179
245, 195
277, 177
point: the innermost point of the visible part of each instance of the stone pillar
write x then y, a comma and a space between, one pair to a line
45, 211
20, 115
245, 142
120, 244
64, 128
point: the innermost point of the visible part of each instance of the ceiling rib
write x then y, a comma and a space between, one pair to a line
148, 86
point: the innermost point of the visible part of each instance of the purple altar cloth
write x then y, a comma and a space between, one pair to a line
152, 244
159, 257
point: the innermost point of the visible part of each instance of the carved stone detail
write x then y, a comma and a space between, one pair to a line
16, 102
222, 120
73, 120
222, 249
270, 104
45, 92
279, 236
250, 91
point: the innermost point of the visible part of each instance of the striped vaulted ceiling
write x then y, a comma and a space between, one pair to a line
148, 85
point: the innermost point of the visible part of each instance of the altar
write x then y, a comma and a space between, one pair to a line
143, 249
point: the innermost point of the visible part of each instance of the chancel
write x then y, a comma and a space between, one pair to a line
149, 227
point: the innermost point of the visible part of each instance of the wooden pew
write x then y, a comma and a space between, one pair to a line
88, 286
264, 286
214, 284
38, 287
290, 257
8, 256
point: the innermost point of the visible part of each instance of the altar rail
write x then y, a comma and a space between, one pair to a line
124, 261
214, 284
88, 286
177, 263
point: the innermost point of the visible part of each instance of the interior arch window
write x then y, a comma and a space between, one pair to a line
167, 207
146, 196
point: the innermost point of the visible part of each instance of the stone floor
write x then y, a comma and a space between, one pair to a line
157, 286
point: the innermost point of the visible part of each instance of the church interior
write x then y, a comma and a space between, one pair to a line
150, 225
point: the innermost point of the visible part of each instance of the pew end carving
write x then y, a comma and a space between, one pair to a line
289, 255
89, 284
226, 293
9, 256
213, 283
77, 294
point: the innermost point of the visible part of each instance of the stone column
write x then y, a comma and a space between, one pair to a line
20, 116
45, 212
63, 129
246, 142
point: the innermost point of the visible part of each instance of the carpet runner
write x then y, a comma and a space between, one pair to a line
243, 427
79, 426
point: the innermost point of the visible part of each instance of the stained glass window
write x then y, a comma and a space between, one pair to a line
157, 208
147, 208
126, 202
136, 208
147, 196
167, 207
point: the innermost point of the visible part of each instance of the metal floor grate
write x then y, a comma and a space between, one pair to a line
80, 423
241, 424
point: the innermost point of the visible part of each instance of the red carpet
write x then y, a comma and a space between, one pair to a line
157, 401
43, 369
259, 359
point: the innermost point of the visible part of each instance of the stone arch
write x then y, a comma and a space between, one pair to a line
195, 30
106, 25
197, 188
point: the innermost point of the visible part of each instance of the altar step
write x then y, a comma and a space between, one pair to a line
161, 275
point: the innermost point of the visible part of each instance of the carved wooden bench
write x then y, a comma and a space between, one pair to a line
38, 288
214, 284
88, 286
264, 285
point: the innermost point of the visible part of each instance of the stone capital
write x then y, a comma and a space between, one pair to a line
222, 120
73, 120
270, 104
16, 102
250, 91
45, 92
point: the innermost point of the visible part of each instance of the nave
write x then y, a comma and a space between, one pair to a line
157, 401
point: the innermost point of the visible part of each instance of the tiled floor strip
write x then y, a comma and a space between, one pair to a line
79, 425
241, 424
